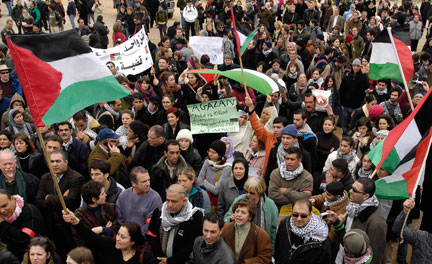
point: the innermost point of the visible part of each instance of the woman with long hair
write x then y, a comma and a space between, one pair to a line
29, 160
362, 135
41, 250
129, 246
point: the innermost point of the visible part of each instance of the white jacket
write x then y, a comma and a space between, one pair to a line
190, 14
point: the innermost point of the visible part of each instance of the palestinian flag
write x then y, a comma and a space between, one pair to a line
403, 182
255, 80
60, 75
401, 139
242, 33
391, 55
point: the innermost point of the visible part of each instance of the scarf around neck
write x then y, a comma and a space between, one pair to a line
366, 258
290, 175
348, 157
292, 75
267, 52
169, 221
316, 229
328, 204
354, 209
307, 130
379, 92
19, 204
362, 173
68, 144
281, 153
109, 109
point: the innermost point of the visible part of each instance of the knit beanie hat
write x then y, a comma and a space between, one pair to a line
268, 43
356, 242
185, 134
218, 146
320, 36
375, 111
335, 188
290, 130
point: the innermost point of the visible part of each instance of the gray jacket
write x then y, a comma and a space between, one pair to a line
419, 240
219, 253
227, 193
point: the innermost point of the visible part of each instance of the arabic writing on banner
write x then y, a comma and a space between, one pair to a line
212, 46
130, 57
215, 116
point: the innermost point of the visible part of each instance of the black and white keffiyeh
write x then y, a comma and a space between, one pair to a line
316, 229
353, 209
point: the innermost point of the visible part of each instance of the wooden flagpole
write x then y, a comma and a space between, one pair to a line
48, 161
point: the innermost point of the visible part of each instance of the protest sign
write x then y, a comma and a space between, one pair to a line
130, 57
215, 116
212, 46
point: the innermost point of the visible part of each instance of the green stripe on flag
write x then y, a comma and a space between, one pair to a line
390, 163
391, 191
385, 71
247, 41
79, 95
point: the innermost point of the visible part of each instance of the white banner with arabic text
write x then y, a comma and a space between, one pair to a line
130, 57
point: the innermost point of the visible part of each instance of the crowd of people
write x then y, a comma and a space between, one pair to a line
140, 187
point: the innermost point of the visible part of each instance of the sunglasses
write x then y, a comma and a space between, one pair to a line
4, 72
296, 215
356, 190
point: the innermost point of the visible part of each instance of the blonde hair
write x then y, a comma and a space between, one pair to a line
255, 184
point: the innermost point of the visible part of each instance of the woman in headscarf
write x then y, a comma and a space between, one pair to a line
17, 124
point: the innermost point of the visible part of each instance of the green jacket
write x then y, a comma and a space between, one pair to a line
116, 160
271, 215
36, 14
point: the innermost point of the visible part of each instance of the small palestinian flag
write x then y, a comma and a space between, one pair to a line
242, 33
60, 75
391, 55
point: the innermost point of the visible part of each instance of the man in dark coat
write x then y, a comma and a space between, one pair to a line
150, 152
211, 248
352, 93
75, 148
16, 181
49, 204
102, 30
180, 223
302, 237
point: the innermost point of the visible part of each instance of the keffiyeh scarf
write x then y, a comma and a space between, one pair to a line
290, 175
354, 209
316, 229
19, 204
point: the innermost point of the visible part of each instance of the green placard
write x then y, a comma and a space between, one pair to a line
216, 116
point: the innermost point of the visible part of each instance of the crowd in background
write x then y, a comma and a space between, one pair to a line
141, 188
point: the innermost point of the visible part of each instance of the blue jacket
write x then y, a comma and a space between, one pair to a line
16, 85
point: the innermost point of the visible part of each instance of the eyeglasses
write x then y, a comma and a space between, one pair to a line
354, 189
4, 72
296, 215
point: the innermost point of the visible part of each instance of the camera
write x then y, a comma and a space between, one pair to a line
324, 216
418, 83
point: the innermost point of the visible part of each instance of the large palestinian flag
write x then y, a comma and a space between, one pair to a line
390, 54
254, 79
403, 182
401, 139
60, 75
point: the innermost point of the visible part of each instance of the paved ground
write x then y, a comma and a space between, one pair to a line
109, 17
